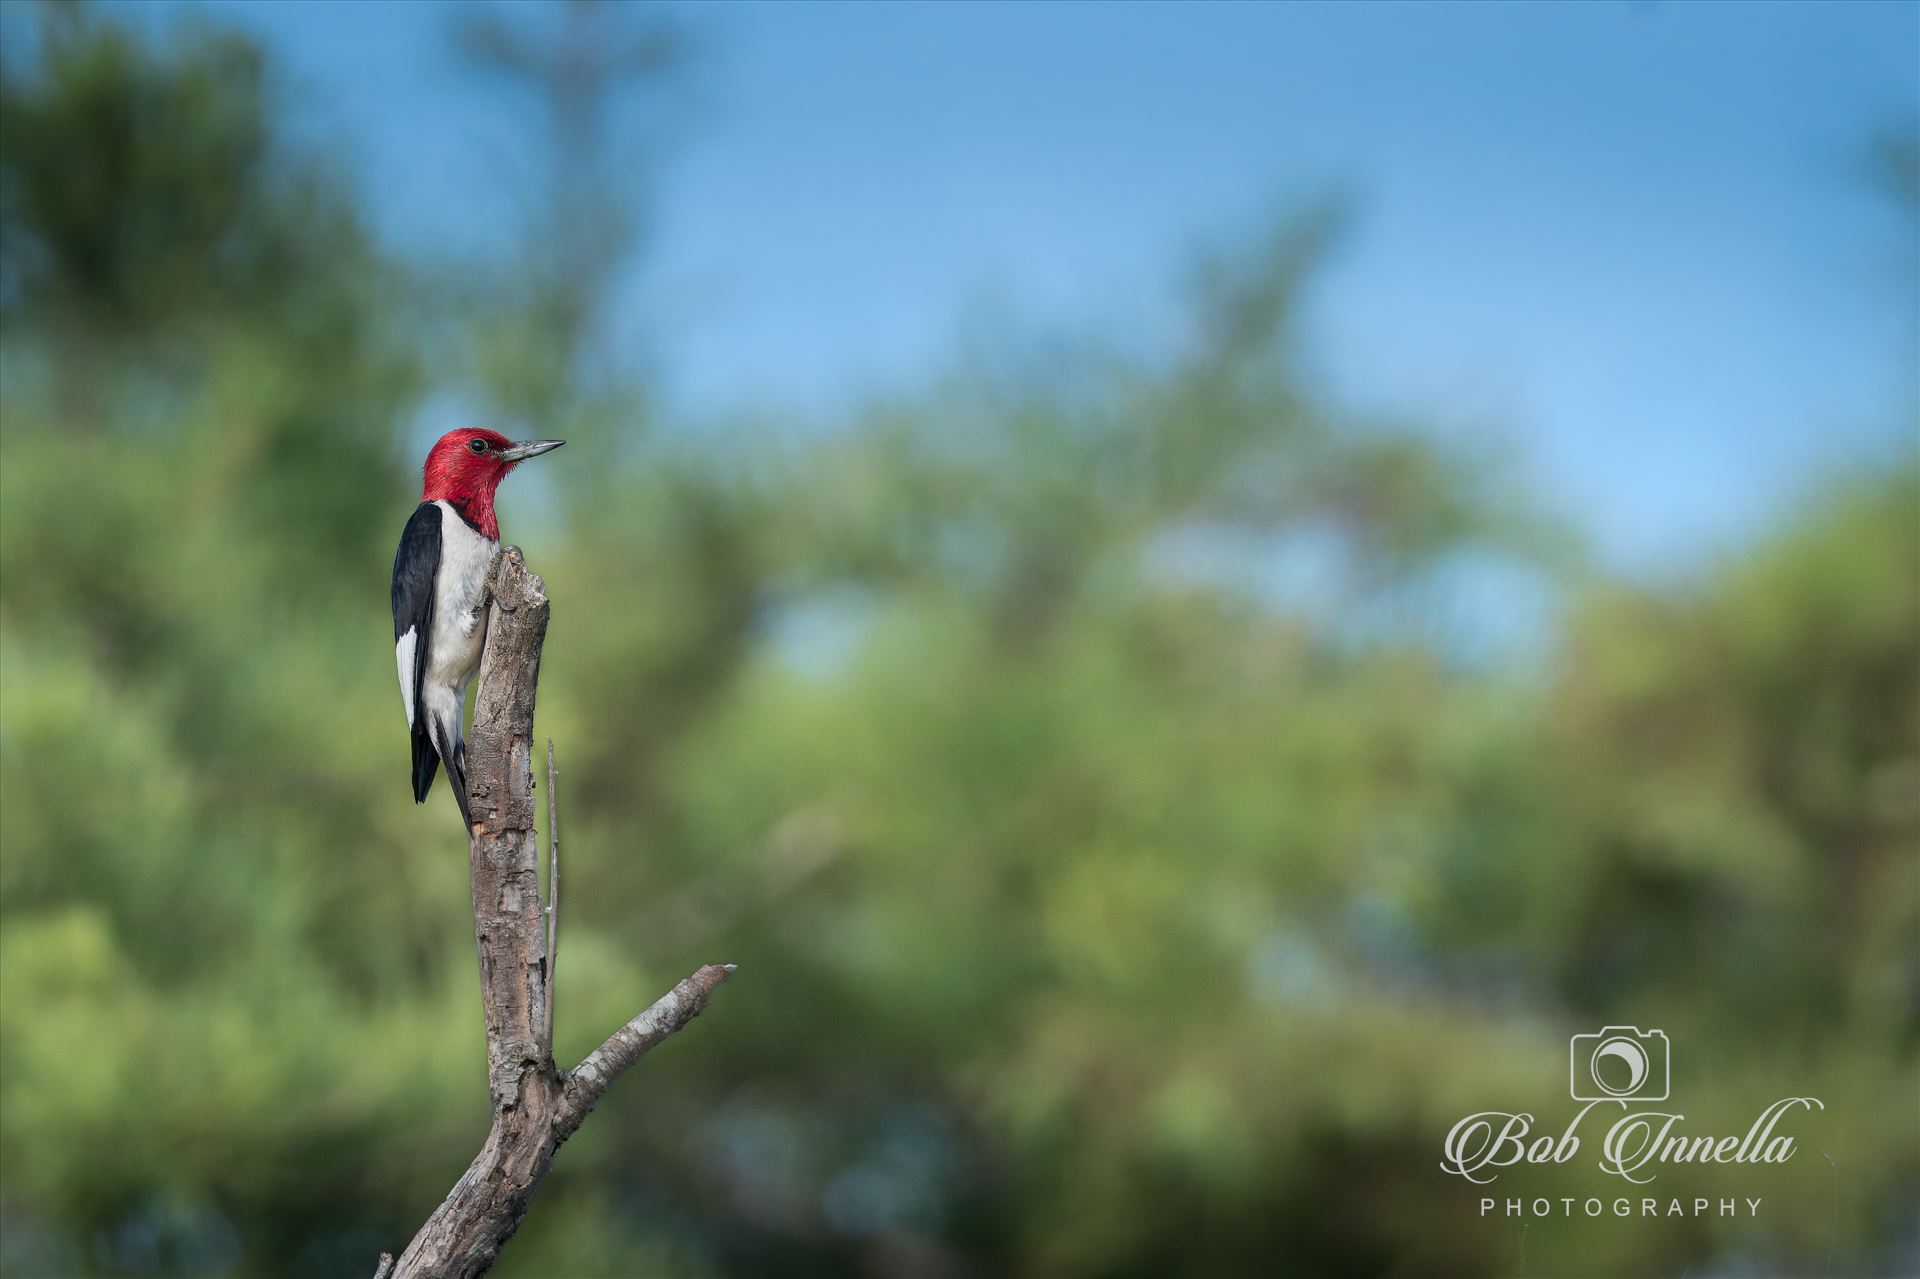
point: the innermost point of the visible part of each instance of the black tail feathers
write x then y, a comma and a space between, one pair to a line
457, 779
426, 761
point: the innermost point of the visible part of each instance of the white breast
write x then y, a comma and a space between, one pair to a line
459, 624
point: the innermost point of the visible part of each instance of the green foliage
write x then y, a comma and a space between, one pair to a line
1127, 877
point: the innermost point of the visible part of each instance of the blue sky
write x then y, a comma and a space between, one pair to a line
1629, 240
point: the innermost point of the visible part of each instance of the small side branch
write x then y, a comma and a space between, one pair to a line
553, 892
535, 1105
623, 1047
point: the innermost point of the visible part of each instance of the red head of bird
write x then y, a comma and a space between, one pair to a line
464, 467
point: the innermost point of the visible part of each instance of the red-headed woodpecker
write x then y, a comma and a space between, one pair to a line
439, 593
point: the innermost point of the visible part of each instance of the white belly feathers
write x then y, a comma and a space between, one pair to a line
459, 623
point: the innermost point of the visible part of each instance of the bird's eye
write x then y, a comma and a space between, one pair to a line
478, 446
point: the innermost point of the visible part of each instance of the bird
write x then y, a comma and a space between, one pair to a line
439, 595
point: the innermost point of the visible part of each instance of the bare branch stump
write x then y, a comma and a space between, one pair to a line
536, 1106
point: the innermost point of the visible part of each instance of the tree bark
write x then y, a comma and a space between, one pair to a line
536, 1106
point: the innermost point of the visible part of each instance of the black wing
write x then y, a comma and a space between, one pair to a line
415, 565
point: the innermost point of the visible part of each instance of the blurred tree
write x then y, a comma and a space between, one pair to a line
204, 379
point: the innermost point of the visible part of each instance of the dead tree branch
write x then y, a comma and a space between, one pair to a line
536, 1106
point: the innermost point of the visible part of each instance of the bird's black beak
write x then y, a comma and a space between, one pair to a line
530, 448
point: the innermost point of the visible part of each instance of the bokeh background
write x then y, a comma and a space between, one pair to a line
1188, 591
